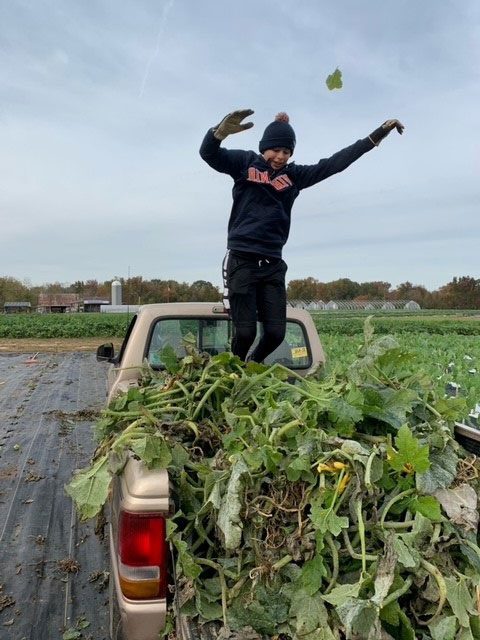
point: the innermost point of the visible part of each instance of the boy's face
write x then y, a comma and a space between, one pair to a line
277, 158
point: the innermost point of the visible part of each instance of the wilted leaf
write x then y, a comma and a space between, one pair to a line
460, 599
89, 488
443, 628
460, 504
442, 471
360, 617
153, 450
339, 595
228, 519
334, 80
385, 572
407, 555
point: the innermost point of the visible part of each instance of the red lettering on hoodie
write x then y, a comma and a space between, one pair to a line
279, 182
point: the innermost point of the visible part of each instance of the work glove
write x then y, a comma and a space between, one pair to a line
232, 123
382, 132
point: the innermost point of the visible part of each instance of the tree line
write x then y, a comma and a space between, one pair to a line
461, 293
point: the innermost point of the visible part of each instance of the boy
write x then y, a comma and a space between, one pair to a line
264, 190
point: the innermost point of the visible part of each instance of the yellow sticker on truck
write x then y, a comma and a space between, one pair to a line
299, 352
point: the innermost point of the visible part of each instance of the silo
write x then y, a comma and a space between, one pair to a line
116, 292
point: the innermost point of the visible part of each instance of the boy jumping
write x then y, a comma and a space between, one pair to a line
264, 190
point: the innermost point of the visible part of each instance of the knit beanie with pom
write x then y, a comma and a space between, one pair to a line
278, 133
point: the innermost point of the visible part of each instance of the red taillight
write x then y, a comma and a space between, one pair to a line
142, 555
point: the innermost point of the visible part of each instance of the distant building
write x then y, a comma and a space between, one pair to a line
119, 308
93, 305
58, 302
17, 307
412, 306
311, 305
355, 305
332, 305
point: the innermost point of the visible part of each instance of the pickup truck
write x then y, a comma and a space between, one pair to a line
140, 499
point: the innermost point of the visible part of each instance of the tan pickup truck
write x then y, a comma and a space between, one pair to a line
140, 501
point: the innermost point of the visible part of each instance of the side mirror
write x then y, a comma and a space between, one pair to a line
105, 352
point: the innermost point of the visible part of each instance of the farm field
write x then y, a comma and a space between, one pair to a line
64, 325
446, 347
446, 344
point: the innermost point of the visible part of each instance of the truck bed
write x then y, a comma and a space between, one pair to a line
53, 570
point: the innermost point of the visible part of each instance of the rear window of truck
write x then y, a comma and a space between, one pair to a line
214, 336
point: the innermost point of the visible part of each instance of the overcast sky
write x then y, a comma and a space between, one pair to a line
104, 104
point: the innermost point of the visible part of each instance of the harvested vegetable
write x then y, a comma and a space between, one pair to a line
320, 509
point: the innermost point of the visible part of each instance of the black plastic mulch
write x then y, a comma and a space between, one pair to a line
53, 569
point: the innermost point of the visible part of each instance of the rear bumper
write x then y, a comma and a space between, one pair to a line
468, 437
141, 619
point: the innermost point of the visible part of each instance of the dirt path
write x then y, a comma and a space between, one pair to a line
54, 345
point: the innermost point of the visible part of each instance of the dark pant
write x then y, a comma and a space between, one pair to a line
256, 291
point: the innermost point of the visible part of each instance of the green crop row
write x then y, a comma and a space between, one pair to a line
452, 360
351, 325
75, 325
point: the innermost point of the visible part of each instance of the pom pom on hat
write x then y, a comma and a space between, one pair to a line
278, 134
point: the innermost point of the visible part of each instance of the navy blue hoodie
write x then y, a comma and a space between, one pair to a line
263, 198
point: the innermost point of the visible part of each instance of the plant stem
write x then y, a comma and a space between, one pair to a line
361, 532
391, 502
368, 471
282, 563
395, 595
335, 563
351, 551
399, 525
442, 588
279, 433
205, 398
221, 575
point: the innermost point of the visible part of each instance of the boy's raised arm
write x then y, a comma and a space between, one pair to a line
225, 160
308, 175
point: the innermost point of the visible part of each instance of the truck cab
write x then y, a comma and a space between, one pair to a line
140, 500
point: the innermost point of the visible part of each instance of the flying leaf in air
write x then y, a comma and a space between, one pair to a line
334, 80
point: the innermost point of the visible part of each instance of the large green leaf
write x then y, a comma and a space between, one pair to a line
326, 520
309, 611
313, 571
89, 488
339, 595
460, 599
410, 455
428, 506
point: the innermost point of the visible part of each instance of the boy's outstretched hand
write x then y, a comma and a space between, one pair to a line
382, 132
393, 124
232, 123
